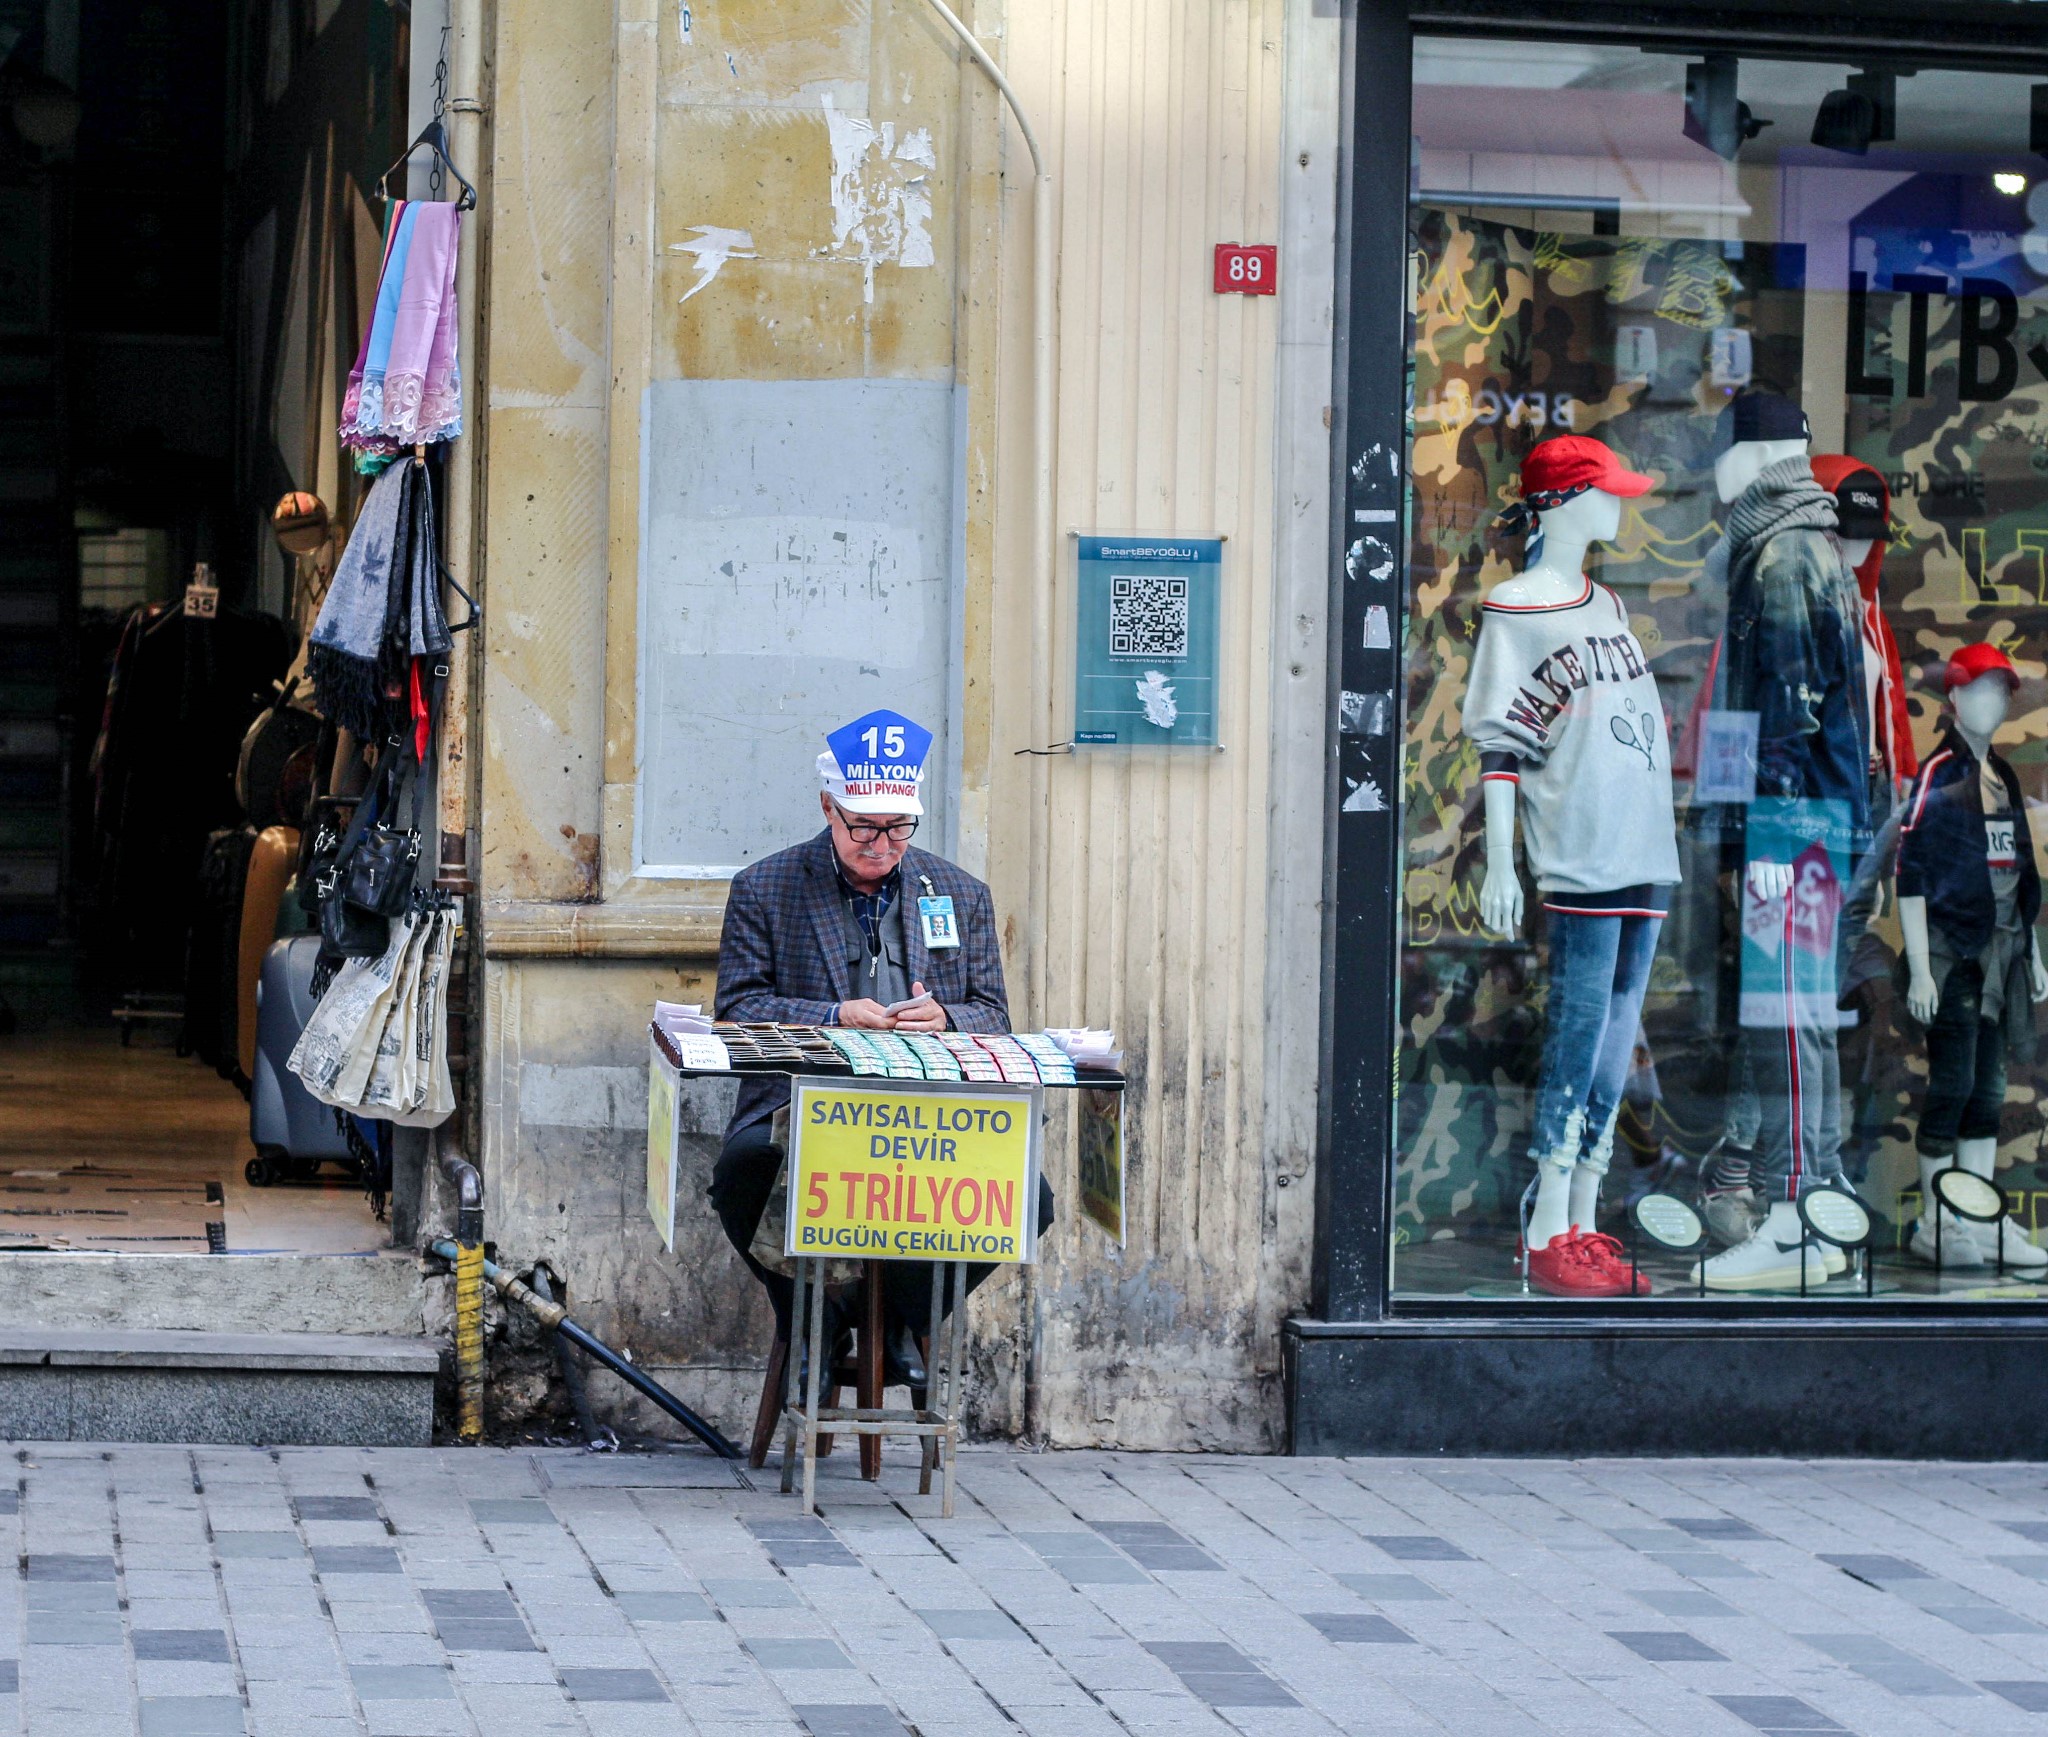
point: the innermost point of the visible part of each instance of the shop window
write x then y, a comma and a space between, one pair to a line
1842, 273
120, 568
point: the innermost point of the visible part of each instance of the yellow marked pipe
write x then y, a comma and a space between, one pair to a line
469, 1340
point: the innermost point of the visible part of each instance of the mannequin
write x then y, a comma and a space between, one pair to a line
1792, 659
1571, 734
1969, 895
1863, 524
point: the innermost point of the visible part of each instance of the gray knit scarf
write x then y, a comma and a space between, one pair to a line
1784, 497
382, 609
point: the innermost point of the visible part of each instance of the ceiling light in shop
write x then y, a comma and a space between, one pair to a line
1714, 115
1847, 122
2008, 183
1882, 88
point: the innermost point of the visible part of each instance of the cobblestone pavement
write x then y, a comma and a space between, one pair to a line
316, 1592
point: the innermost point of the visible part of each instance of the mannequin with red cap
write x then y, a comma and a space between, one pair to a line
1571, 733
1969, 895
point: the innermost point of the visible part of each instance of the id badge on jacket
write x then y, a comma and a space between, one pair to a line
935, 919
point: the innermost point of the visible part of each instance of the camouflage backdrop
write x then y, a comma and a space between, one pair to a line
1519, 334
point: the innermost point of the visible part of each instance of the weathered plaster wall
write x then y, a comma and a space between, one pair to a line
546, 396
1173, 899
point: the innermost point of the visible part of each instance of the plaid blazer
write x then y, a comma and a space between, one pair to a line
782, 955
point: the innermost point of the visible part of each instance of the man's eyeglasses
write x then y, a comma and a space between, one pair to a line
867, 831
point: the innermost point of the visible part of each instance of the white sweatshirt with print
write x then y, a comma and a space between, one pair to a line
1562, 702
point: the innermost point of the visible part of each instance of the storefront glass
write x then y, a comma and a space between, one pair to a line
1689, 978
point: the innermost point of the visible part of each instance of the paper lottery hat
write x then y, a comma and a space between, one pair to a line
875, 765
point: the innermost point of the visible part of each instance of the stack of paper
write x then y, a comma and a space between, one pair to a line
677, 1017
1094, 1050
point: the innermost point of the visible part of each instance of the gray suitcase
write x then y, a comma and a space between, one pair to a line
292, 1131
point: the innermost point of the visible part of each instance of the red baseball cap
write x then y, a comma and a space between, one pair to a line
1976, 660
1575, 462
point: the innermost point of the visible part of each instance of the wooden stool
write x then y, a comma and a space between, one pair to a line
864, 1372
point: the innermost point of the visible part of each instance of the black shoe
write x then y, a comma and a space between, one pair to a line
904, 1361
842, 1351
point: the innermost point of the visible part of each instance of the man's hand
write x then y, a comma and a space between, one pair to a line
866, 1015
926, 1016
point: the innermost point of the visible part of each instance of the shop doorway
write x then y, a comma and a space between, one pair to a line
190, 238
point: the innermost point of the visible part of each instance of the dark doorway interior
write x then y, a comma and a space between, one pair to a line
188, 232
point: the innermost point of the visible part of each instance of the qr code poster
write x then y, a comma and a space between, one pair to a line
1146, 645
1148, 615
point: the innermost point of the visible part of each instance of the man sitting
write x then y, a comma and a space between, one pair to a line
839, 930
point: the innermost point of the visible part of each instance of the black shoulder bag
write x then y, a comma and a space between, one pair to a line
350, 928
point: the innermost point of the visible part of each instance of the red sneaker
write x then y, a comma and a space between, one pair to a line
1607, 1253
1566, 1268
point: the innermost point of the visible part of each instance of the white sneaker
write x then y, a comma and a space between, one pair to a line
1960, 1249
1764, 1263
1834, 1259
2021, 1254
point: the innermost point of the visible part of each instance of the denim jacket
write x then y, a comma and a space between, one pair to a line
1795, 658
1942, 848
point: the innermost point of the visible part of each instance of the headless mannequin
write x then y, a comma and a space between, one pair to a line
1557, 576
1734, 471
1980, 708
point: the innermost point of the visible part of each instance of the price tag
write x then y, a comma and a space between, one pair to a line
1246, 271
202, 595
701, 1051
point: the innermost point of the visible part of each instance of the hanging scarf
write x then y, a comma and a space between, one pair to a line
425, 302
383, 608
410, 390
363, 405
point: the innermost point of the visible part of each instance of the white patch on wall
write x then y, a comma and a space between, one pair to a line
800, 561
711, 249
555, 1095
789, 585
881, 194
1155, 694
582, 1097
1365, 798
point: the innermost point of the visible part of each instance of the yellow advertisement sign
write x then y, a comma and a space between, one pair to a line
662, 1085
896, 1170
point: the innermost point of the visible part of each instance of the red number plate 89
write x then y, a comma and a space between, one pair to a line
1246, 271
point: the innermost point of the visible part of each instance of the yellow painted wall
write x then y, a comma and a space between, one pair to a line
1151, 885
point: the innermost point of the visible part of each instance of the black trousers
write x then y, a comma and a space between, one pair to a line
1965, 1067
741, 1183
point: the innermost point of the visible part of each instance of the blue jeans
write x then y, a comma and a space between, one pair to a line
1599, 969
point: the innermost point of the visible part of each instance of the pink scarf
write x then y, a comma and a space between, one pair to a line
426, 309
418, 397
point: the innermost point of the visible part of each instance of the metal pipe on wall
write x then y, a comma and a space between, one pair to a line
465, 124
